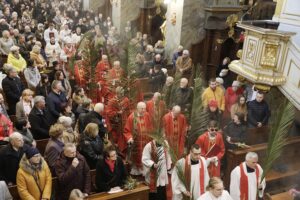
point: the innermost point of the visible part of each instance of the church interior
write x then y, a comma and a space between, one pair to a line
150, 99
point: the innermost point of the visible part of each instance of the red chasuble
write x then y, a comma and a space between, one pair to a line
117, 120
175, 131
211, 149
138, 128
156, 112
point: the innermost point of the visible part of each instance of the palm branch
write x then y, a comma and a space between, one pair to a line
199, 117
279, 132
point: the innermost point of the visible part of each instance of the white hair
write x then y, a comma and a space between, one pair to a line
164, 70
65, 120
15, 135
38, 99
140, 104
251, 155
176, 108
186, 52
116, 62
99, 107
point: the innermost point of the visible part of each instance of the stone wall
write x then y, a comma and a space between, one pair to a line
189, 27
125, 10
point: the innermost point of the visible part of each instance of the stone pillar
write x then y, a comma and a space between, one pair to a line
86, 4
184, 24
123, 11
95, 4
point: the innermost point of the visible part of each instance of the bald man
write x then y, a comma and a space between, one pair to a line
115, 74
184, 65
136, 132
156, 108
183, 96
175, 127
10, 157
102, 68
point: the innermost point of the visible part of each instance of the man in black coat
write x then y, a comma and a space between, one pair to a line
95, 116
56, 100
10, 157
12, 88
258, 112
157, 79
72, 172
38, 118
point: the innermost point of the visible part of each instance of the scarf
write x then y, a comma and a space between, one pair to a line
188, 174
153, 171
111, 164
244, 182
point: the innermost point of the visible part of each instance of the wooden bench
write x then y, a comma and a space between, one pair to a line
280, 196
14, 190
41, 145
276, 181
139, 193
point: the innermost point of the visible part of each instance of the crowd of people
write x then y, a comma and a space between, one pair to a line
45, 98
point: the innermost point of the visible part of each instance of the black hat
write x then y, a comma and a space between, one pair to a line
30, 152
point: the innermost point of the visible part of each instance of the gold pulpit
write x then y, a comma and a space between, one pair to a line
263, 54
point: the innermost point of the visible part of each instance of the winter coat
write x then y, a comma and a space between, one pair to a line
31, 188
91, 149
55, 102
70, 178
94, 117
237, 133
106, 179
39, 122
52, 152
12, 88
9, 163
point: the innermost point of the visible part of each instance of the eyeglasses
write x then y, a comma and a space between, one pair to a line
213, 129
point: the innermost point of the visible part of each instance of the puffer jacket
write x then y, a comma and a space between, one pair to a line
34, 183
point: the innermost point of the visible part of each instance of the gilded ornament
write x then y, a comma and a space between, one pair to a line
269, 58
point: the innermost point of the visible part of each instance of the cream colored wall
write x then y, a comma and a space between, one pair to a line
289, 18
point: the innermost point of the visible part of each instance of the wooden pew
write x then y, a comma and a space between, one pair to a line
276, 181
257, 135
280, 196
139, 193
14, 190
41, 145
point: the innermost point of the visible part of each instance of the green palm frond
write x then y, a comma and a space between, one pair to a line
279, 132
199, 118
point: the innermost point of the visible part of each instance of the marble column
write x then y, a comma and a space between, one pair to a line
123, 11
184, 24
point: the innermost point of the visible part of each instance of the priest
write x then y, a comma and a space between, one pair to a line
157, 162
156, 108
245, 179
137, 129
117, 111
213, 148
190, 176
175, 128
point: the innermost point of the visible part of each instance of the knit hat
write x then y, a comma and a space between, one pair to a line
213, 103
235, 84
30, 152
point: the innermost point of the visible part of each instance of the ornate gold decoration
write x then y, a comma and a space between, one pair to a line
261, 87
269, 58
251, 50
239, 53
257, 78
231, 22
